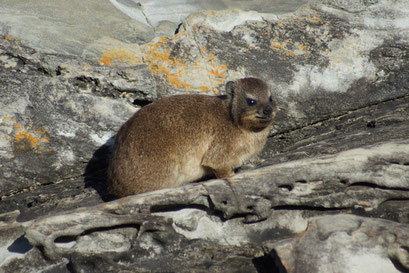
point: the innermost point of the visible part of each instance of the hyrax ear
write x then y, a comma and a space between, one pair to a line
230, 86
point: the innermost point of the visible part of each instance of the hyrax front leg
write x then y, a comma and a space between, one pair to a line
223, 173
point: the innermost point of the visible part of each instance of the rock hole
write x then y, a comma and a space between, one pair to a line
102, 229
301, 181
286, 187
58, 71
141, 103
21, 245
344, 181
306, 207
362, 185
65, 239
399, 163
70, 240
176, 207
269, 263
371, 124
250, 207
394, 162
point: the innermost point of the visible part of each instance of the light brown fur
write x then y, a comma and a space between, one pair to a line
182, 138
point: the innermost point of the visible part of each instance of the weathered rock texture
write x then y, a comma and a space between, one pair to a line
87, 28
329, 193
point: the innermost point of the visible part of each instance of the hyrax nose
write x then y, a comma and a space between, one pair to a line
268, 110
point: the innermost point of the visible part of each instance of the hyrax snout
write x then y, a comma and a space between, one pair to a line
183, 138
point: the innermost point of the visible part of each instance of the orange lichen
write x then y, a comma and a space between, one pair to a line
118, 56
29, 141
204, 89
8, 38
288, 48
179, 72
216, 73
282, 47
25, 139
22, 138
275, 44
315, 18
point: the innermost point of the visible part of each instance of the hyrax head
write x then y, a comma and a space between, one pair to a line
251, 104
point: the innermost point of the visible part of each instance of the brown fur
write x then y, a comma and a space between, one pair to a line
182, 138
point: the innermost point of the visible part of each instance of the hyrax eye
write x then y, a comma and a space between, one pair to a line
270, 99
251, 102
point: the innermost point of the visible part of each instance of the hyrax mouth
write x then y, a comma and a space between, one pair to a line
254, 120
267, 115
264, 119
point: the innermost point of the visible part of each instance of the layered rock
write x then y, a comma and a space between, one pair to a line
331, 184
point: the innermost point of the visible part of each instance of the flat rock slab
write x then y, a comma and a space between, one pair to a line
338, 153
86, 28
346, 243
251, 217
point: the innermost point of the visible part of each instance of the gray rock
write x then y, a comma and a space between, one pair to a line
50, 125
87, 28
346, 243
256, 209
338, 154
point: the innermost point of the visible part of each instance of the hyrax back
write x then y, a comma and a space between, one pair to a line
182, 138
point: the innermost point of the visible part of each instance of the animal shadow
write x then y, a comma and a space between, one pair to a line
95, 174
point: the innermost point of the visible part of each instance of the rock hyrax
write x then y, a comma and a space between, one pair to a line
182, 138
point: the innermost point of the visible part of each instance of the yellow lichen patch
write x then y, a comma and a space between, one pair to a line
281, 47
159, 61
216, 73
288, 48
33, 140
8, 38
8, 118
25, 139
203, 88
316, 18
185, 73
117, 56
185, 70
303, 48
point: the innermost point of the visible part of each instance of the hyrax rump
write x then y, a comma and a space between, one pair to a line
182, 138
